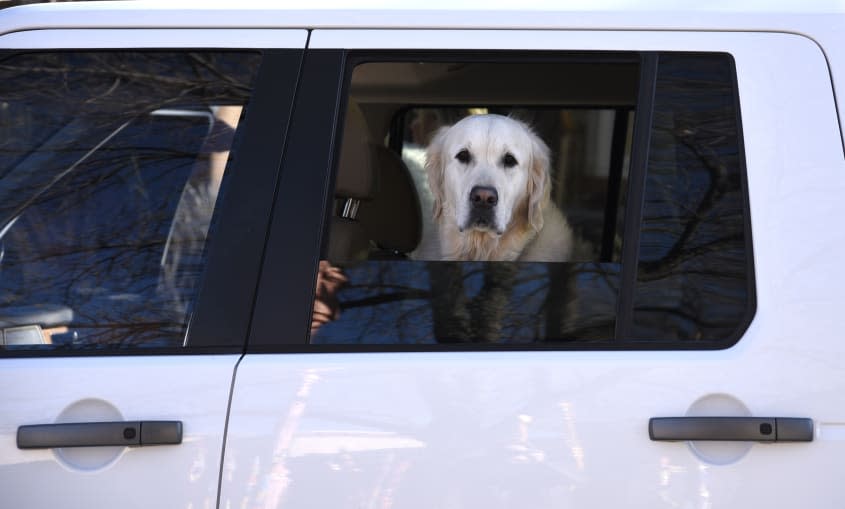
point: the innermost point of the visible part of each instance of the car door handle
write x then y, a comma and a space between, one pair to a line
100, 434
751, 429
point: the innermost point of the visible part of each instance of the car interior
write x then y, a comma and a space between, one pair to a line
582, 105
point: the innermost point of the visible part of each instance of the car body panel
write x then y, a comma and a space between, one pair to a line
190, 389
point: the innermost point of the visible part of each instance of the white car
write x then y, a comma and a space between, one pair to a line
215, 289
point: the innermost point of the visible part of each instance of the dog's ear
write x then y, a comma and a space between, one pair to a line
435, 164
539, 182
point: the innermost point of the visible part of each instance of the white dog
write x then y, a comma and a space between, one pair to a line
489, 176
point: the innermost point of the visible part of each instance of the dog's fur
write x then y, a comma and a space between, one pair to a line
503, 158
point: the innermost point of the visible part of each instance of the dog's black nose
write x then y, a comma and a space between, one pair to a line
483, 196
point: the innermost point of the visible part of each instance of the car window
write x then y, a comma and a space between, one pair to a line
111, 165
694, 274
488, 199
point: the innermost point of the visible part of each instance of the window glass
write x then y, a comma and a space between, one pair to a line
693, 278
111, 164
482, 200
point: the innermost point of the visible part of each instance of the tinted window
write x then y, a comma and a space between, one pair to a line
111, 164
694, 278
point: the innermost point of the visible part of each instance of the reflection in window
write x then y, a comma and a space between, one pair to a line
110, 167
693, 276
408, 302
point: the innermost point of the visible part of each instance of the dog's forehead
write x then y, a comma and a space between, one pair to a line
489, 133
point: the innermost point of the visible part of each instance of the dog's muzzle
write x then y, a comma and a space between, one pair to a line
482, 208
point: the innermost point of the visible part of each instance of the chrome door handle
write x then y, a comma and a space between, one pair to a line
100, 434
751, 429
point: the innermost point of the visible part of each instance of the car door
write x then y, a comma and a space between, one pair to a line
127, 277
687, 356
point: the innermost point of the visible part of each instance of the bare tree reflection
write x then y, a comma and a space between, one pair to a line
453, 302
452, 318
693, 270
110, 165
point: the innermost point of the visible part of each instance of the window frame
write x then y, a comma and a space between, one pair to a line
330, 71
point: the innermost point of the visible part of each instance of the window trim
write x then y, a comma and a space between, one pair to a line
285, 292
233, 265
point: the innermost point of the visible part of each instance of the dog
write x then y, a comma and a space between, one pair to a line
489, 177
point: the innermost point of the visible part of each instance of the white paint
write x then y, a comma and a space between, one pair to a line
191, 389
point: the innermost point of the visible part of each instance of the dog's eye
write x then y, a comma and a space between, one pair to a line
509, 160
463, 156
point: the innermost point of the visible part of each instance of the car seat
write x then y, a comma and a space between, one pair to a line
377, 213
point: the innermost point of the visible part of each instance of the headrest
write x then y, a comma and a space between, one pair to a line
355, 175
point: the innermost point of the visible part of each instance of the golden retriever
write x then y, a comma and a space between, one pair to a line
489, 177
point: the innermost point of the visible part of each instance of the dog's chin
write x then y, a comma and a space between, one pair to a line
480, 226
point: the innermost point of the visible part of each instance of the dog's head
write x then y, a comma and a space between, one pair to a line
488, 171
